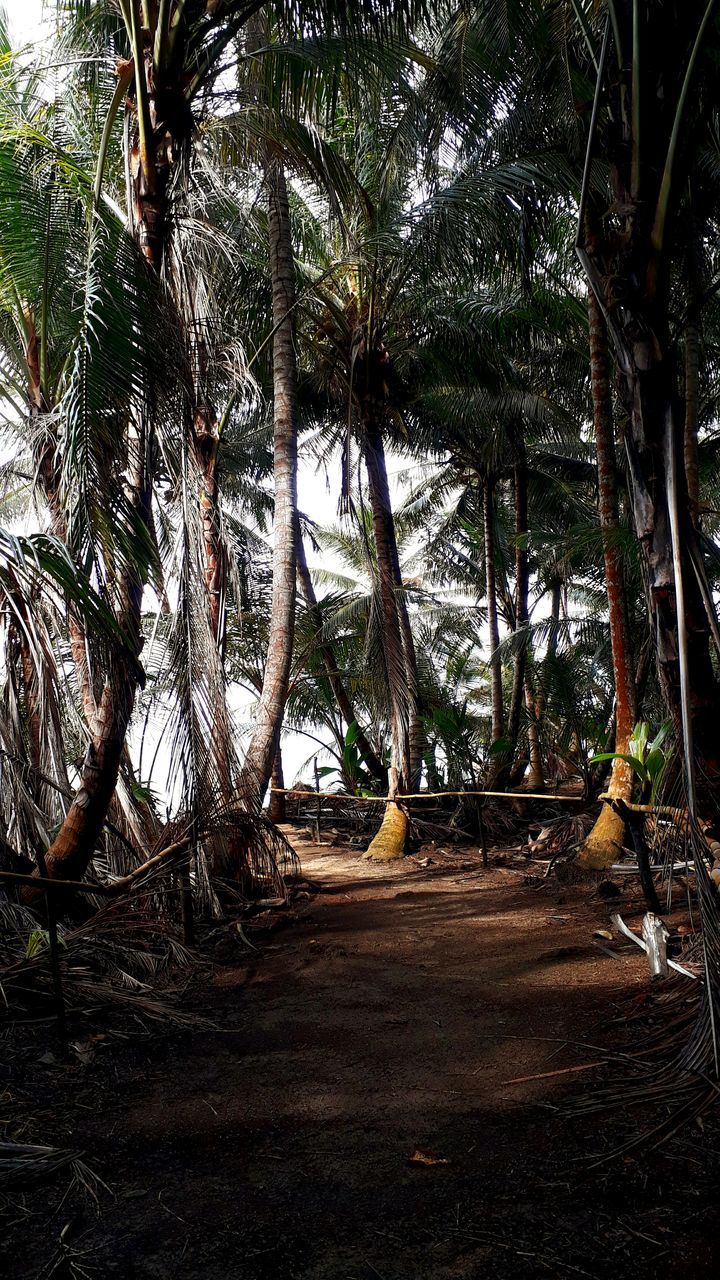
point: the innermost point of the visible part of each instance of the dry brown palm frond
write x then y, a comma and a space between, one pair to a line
22, 1164
121, 959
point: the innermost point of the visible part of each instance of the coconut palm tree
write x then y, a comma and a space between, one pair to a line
606, 838
77, 388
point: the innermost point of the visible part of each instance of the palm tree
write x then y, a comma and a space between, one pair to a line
329, 659
84, 384
265, 740
606, 838
629, 262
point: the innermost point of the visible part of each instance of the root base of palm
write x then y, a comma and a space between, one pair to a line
600, 850
389, 843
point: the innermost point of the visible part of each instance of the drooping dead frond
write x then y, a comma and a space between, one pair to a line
22, 1164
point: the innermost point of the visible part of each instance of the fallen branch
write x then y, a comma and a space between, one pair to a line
546, 1075
105, 890
628, 933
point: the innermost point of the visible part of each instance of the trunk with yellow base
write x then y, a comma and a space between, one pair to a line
389, 843
605, 840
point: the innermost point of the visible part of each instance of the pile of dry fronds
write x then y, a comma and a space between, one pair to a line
120, 959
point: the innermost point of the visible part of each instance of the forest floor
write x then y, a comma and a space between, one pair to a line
391, 1014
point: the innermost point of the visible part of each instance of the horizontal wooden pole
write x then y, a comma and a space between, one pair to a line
422, 795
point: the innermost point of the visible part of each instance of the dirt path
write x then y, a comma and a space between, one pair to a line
388, 1017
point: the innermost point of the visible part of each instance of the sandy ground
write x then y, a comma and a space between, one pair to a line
390, 1014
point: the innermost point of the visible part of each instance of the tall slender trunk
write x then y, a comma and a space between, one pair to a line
551, 648
400, 659
536, 777
277, 808
602, 845
522, 586
340, 693
106, 709
660, 60
205, 445
32, 701
257, 766
497, 707
690, 444
73, 847
653, 423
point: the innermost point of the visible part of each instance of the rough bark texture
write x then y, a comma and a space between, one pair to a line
535, 777
400, 660
257, 767
205, 443
602, 845
74, 845
106, 710
522, 586
629, 257
498, 711
692, 368
277, 807
389, 843
653, 415
340, 693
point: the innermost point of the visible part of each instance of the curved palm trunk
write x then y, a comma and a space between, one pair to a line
74, 845
370, 757
107, 711
607, 836
257, 767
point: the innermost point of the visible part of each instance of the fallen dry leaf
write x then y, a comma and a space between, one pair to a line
423, 1155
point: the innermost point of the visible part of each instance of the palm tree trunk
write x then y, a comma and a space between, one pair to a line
522, 586
205, 444
74, 845
497, 707
257, 767
551, 649
601, 847
106, 712
653, 418
536, 777
370, 757
277, 808
692, 367
400, 660
389, 843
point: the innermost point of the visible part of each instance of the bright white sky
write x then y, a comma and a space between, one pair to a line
25, 19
